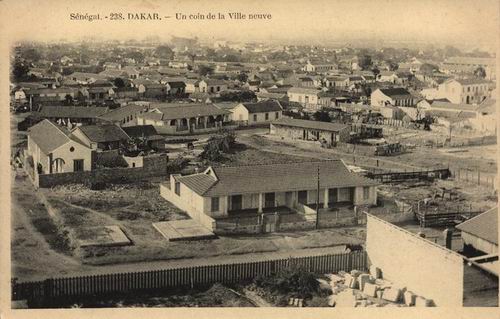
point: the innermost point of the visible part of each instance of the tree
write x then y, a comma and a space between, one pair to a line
136, 55
375, 71
242, 77
322, 116
68, 99
119, 83
480, 72
205, 70
19, 71
428, 68
365, 61
218, 145
393, 66
164, 52
241, 96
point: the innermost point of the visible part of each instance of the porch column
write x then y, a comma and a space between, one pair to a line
225, 201
325, 198
260, 204
206, 121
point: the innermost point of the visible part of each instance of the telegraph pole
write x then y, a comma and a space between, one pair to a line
317, 203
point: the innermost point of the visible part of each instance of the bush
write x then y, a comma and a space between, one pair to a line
295, 280
219, 145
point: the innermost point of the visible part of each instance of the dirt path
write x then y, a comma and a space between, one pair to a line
256, 299
30, 252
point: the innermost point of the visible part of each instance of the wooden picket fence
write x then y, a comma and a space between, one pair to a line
50, 290
412, 175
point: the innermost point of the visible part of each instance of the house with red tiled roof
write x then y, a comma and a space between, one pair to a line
250, 190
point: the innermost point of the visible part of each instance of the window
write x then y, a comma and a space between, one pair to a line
178, 188
255, 117
366, 192
277, 115
214, 206
78, 165
267, 116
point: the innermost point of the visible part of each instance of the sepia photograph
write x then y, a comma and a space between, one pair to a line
303, 154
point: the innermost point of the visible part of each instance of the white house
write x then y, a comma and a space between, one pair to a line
465, 91
392, 96
55, 150
252, 189
308, 97
257, 113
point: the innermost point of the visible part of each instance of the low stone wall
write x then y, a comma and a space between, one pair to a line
237, 230
155, 165
302, 225
337, 222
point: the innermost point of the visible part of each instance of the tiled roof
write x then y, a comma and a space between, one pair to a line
303, 90
315, 125
176, 111
103, 133
453, 107
200, 183
395, 92
484, 226
471, 81
140, 130
263, 106
277, 177
56, 111
48, 136
122, 112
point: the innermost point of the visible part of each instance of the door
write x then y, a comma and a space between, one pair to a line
236, 202
269, 199
302, 197
332, 195
78, 165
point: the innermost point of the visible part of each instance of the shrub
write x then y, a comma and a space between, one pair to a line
295, 280
218, 145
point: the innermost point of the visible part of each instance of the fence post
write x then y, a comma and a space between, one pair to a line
478, 177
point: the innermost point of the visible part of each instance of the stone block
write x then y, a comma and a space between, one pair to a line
323, 284
380, 293
375, 272
362, 280
409, 298
422, 302
335, 278
370, 290
392, 294
355, 273
345, 299
331, 300
353, 284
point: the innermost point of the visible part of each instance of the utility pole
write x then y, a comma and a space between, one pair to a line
317, 203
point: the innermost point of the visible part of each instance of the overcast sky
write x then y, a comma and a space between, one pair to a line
436, 21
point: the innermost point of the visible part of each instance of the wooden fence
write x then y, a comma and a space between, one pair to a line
48, 291
432, 219
475, 176
414, 175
